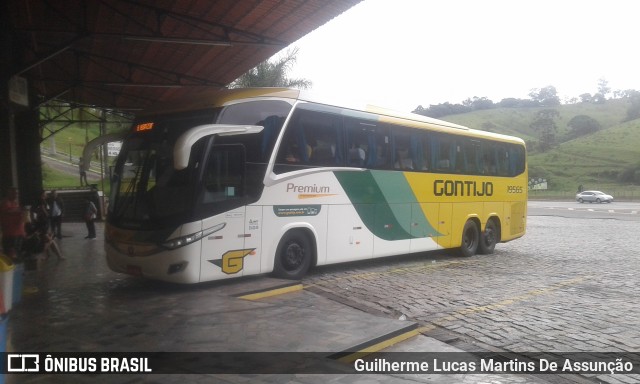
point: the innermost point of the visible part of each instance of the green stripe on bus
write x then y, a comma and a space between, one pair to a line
397, 194
385, 203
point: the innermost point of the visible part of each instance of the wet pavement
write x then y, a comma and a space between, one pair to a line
79, 305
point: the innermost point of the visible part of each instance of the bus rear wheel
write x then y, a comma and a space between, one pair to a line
489, 238
293, 256
470, 239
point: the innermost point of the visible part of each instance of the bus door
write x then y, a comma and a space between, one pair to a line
223, 195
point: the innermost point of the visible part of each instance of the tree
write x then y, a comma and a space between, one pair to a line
598, 98
633, 112
512, 102
546, 126
442, 109
272, 74
603, 88
479, 103
586, 98
546, 97
583, 125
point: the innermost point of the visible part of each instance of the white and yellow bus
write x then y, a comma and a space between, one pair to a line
253, 181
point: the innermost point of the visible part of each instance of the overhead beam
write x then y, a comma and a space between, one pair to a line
48, 56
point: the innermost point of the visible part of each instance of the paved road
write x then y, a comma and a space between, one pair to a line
629, 211
569, 285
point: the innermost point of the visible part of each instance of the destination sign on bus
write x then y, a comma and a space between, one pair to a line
144, 127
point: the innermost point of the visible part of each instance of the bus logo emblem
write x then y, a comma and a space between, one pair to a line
233, 261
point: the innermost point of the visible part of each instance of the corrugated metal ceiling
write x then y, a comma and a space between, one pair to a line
128, 54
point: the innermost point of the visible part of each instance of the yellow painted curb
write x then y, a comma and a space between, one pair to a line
379, 346
272, 292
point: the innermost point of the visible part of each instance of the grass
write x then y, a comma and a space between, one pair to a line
52, 179
75, 137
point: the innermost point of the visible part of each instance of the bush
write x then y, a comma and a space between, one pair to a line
630, 175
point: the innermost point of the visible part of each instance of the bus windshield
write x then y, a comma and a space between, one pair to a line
148, 193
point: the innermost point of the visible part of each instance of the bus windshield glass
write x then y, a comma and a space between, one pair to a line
144, 183
148, 193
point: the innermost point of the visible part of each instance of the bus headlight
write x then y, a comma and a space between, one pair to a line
191, 238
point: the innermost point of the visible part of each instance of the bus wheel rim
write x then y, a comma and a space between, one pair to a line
294, 256
489, 237
469, 238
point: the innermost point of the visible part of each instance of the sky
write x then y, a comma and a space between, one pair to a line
404, 53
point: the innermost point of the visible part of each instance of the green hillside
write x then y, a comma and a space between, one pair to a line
517, 121
597, 160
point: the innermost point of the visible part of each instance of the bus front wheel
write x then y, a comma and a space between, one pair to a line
293, 256
470, 239
489, 238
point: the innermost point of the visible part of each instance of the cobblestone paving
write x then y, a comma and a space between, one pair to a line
568, 285
78, 305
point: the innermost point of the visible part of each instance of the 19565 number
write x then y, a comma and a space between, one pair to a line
514, 189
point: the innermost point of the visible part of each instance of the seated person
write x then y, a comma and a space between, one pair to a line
403, 161
38, 241
356, 156
294, 154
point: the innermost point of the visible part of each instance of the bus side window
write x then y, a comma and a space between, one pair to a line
489, 160
378, 156
460, 159
294, 149
403, 155
516, 160
419, 149
502, 156
324, 139
472, 157
442, 151
312, 138
357, 141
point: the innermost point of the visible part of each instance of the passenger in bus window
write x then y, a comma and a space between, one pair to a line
381, 157
356, 155
403, 161
293, 153
323, 149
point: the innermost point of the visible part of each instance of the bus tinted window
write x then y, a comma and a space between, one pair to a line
269, 114
323, 138
378, 155
404, 153
357, 142
312, 139
443, 153
471, 157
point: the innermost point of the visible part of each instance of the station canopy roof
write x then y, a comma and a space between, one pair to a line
128, 54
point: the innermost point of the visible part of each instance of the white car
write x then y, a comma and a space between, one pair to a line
594, 197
